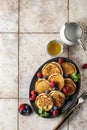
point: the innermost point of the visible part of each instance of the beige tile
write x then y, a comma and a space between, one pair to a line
8, 66
32, 55
77, 54
42, 15
8, 114
78, 12
79, 120
8, 15
33, 121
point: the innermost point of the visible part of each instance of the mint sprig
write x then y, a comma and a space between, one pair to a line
43, 113
76, 77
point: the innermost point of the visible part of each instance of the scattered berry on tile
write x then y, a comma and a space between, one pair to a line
84, 66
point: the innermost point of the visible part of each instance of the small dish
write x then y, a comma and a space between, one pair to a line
54, 48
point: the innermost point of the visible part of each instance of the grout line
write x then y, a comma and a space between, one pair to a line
14, 98
68, 50
68, 57
68, 21
29, 32
39, 32
68, 11
8, 98
18, 59
33, 32
8, 32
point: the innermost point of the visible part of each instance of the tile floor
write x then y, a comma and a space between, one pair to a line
26, 26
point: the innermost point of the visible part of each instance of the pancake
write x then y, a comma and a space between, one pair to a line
68, 68
58, 98
42, 85
58, 78
44, 102
71, 86
59, 66
51, 68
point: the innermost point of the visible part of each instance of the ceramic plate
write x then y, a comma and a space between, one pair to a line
69, 101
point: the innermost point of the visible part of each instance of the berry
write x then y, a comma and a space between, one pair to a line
22, 107
55, 112
47, 91
32, 98
39, 75
24, 111
27, 107
66, 89
45, 77
28, 111
60, 61
84, 66
52, 110
66, 75
55, 88
53, 84
55, 108
21, 112
33, 92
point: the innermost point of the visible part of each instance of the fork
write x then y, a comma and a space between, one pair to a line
78, 102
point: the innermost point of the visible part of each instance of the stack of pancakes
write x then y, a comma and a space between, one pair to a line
54, 71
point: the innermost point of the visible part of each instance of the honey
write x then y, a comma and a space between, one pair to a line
54, 48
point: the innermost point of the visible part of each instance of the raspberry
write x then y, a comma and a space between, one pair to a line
65, 89
33, 92
22, 107
84, 66
60, 61
39, 75
32, 98
55, 112
53, 84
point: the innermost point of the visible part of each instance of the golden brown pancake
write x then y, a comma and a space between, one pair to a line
68, 68
58, 98
42, 85
59, 66
44, 102
51, 68
71, 86
58, 78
